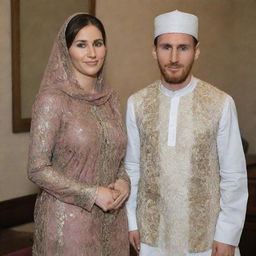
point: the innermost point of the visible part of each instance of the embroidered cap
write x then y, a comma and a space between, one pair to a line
176, 22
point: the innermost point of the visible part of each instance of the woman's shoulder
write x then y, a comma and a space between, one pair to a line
51, 94
50, 99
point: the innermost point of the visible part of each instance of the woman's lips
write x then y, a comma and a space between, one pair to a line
91, 63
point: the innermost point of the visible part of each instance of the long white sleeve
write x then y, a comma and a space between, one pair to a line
233, 185
132, 163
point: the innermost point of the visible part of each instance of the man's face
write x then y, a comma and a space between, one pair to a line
175, 54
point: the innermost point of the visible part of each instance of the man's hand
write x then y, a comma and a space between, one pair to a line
220, 249
134, 237
123, 188
106, 198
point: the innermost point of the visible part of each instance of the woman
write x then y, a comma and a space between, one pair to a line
76, 150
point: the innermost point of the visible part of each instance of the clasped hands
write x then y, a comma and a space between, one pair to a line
113, 196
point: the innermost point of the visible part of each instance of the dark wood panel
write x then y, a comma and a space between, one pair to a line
13, 241
17, 211
247, 243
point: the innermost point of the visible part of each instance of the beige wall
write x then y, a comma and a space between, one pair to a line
13, 147
227, 36
40, 47
227, 60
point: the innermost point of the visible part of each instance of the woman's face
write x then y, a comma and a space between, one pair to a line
87, 52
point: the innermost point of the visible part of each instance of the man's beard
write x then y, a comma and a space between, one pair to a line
171, 79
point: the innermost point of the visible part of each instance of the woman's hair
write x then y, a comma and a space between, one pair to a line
80, 21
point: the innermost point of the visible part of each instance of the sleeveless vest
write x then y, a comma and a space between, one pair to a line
178, 197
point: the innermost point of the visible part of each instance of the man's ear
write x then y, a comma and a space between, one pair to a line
154, 52
197, 51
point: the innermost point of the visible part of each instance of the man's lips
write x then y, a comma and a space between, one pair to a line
173, 67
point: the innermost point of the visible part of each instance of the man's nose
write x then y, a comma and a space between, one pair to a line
174, 55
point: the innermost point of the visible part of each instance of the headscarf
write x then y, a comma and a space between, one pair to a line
59, 73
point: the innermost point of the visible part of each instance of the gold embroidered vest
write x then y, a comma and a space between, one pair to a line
178, 195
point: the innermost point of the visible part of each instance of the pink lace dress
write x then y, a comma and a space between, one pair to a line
77, 144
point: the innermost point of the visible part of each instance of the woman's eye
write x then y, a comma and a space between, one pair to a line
81, 45
98, 44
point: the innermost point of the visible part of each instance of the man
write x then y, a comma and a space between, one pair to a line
184, 156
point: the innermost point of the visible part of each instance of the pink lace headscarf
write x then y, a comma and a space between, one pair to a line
59, 73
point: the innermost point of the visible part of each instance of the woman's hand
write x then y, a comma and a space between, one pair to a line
123, 188
106, 198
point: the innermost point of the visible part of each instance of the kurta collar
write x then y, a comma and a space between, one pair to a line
189, 88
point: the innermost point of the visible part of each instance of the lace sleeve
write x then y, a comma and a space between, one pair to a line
46, 120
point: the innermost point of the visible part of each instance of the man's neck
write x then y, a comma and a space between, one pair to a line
178, 86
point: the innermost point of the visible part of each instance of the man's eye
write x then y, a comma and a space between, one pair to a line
183, 48
166, 47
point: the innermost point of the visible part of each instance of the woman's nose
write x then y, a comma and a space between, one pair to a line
91, 51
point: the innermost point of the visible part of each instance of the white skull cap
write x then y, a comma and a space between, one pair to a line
176, 22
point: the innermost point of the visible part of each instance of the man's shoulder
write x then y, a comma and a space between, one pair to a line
211, 89
148, 90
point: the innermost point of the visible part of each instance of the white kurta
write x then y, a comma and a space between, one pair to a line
233, 185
